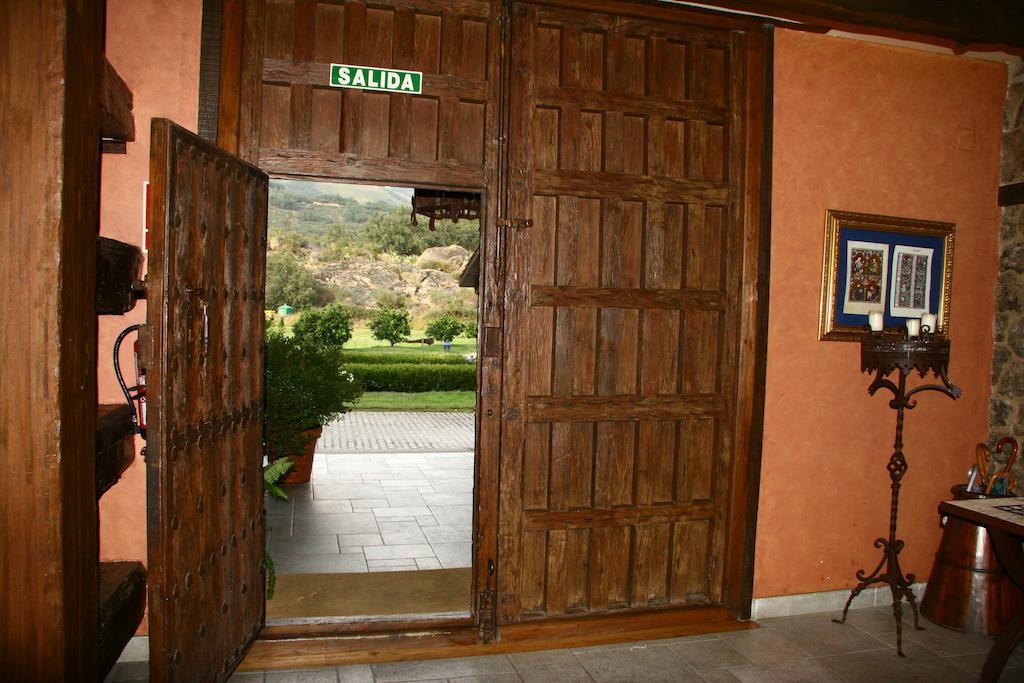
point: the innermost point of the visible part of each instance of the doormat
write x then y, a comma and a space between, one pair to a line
301, 596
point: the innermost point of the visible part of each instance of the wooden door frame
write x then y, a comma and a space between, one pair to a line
237, 116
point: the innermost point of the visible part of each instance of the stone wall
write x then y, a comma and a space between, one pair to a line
1006, 410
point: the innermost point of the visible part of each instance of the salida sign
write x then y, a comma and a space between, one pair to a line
374, 78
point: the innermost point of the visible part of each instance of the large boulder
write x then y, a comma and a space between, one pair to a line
453, 255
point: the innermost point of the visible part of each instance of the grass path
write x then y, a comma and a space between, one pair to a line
426, 401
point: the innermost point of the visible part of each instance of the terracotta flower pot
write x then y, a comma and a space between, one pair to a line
303, 468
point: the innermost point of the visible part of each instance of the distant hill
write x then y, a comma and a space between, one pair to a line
363, 194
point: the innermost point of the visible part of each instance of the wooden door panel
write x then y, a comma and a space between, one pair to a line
623, 308
309, 128
205, 329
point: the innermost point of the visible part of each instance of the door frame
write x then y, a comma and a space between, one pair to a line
229, 93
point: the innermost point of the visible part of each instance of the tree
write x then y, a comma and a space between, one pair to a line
288, 282
469, 329
331, 326
391, 325
392, 232
445, 328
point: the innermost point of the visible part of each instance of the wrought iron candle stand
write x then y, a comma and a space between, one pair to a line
881, 354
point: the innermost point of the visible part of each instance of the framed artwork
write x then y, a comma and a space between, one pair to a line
900, 266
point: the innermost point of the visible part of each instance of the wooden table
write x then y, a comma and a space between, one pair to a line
1006, 529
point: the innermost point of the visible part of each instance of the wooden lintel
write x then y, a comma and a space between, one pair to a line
983, 24
1011, 195
117, 124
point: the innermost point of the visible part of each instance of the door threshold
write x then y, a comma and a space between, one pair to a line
371, 619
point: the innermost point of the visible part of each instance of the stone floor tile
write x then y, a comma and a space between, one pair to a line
340, 523
452, 485
816, 635
718, 676
708, 654
433, 473
427, 563
410, 498
368, 503
355, 673
973, 664
390, 568
426, 520
400, 533
461, 667
798, 671
303, 676
393, 552
452, 514
349, 563
873, 667
465, 498
358, 540
325, 544
391, 562
400, 484
452, 555
495, 678
645, 664
762, 647
550, 665
129, 671
449, 533
322, 507
347, 491
385, 512
248, 677
944, 641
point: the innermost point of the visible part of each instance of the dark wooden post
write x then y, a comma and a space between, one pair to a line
49, 202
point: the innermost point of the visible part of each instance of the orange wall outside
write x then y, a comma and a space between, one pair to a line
875, 129
858, 127
155, 48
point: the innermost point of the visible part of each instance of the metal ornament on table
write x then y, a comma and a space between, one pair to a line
882, 355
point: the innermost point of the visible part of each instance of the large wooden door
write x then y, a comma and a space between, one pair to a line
207, 214
631, 293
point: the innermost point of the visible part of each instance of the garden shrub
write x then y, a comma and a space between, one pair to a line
407, 377
469, 329
331, 326
391, 325
446, 328
402, 358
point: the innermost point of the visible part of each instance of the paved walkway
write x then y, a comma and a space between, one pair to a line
364, 431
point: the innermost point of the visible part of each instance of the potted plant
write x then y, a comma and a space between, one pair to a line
306, 388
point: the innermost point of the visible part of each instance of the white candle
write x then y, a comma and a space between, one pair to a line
913, 327
930, 321
875, 321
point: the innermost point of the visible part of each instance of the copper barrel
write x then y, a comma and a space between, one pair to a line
967, 588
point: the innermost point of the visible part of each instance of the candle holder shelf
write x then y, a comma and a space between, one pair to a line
882, 355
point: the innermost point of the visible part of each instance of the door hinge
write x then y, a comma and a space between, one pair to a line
486, 608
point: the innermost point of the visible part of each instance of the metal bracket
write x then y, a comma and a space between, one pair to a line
487, 624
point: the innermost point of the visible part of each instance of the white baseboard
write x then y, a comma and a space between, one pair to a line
825, 601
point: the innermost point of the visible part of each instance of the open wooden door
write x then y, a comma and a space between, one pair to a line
631, 293
204, 350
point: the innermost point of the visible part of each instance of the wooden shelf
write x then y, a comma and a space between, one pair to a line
117, 124
115, 445
122, 604
118, 276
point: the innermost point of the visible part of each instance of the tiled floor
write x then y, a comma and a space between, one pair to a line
374, 512
808, 648
364, 431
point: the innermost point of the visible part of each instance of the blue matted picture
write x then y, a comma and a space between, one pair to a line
900, 266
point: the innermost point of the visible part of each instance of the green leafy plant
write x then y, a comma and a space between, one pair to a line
288, 282
469, 329
391, 325
272, 473
400, 358
446, 327
305, 387
331, 326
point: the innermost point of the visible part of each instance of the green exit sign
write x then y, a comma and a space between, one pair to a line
373, 78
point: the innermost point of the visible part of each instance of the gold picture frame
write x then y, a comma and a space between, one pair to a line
861, 257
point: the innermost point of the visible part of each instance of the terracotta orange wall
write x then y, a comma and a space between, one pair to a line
875, 129
155, 48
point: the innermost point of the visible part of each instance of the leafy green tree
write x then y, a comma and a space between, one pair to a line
445, 328
391, 325
469, 329
392, 232
331, 326
288, 282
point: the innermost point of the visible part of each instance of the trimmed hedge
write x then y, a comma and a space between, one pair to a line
404, 358
407, 377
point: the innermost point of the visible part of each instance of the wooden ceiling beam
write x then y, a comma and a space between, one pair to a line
958, 24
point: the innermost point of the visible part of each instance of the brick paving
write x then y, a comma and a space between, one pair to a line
364, 431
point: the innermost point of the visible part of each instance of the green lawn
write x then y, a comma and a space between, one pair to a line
439, 401
362, 340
